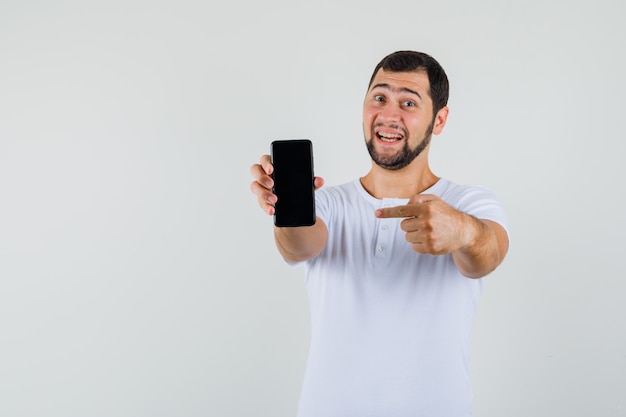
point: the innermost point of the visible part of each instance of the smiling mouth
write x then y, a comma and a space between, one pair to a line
389, 137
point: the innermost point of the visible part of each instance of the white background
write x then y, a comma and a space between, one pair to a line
138, 276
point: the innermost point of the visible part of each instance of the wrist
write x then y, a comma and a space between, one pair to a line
472, 230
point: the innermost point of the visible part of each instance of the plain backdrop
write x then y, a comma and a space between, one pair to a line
138, 276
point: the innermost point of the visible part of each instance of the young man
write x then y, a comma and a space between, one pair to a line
392, 261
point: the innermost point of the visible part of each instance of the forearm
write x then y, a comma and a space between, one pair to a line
486, 246
298, 244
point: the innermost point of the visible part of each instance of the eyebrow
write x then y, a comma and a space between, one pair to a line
388, 87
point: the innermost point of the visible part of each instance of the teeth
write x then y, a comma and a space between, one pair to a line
389, 137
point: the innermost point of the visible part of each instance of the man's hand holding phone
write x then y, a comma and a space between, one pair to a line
263, 184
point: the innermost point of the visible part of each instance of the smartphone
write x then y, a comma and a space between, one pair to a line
293, 182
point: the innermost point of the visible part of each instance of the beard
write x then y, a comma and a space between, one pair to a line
404, 156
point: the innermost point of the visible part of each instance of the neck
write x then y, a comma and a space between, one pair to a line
403, 183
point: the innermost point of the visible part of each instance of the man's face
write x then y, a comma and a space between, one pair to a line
397, 117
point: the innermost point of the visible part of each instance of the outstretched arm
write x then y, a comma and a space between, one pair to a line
432, 226
295, 244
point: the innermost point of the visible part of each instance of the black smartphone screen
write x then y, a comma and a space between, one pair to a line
293, 182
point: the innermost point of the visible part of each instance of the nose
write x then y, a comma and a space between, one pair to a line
389, 113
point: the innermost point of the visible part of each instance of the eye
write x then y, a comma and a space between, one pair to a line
408, 103
378, 97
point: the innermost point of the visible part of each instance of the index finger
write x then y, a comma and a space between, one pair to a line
266, 163
397, 211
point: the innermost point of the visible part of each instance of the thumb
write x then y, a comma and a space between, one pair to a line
318, 182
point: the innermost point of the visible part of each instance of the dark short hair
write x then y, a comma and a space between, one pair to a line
408, 61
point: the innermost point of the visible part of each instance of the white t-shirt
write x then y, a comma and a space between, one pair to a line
390, 327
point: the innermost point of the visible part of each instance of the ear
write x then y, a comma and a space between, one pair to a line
440, 120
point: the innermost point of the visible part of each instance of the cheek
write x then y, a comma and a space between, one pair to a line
368, 117
415, 126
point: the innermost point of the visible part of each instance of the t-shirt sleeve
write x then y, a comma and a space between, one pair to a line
322, 205
481, 203
322, 211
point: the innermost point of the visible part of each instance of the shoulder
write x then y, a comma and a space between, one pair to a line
455, 193
477, 200
345, 201
338, 192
